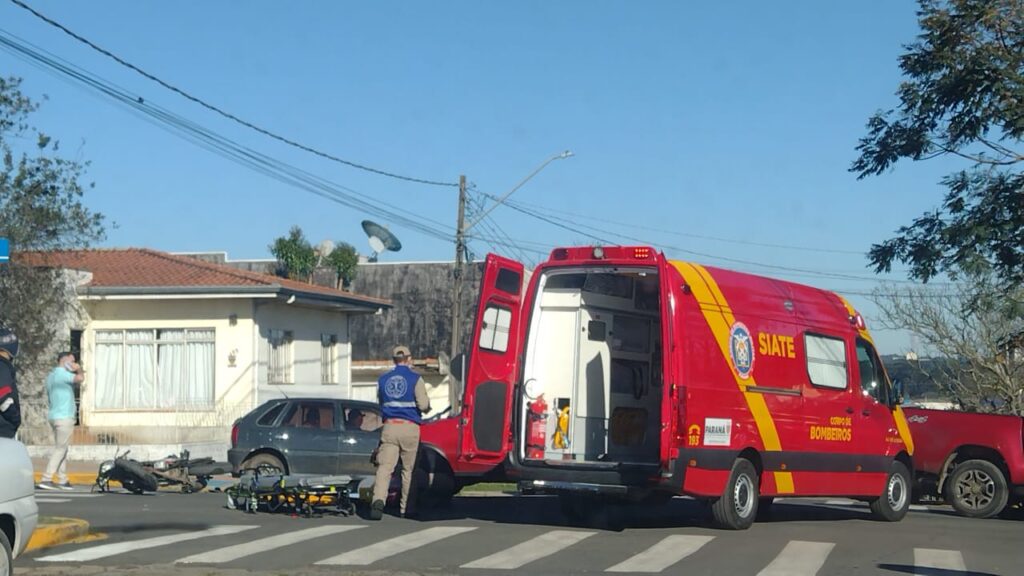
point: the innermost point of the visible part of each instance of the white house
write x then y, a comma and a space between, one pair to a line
175, 348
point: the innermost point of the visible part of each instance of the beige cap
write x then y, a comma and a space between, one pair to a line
400, 351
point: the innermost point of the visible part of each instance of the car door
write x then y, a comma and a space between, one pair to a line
309, 436
359, 438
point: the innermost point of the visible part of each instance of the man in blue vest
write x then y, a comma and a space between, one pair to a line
403, 397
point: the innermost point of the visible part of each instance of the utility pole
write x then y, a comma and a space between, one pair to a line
459, 278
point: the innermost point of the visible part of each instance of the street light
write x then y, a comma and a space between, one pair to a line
460, 246
499, 201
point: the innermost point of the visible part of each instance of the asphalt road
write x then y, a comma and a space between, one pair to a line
170, 533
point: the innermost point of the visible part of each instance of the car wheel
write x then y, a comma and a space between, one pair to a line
977, 489
737, 507
895, 500
264, 464
6, 556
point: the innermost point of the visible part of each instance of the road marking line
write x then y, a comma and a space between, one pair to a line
65, 494
392, 546
843, 502
940, 559
106, 550
799, 558
920, 508
52, 500
663, 554
533, 549
263, 544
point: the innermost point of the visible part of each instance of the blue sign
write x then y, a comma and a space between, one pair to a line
5, 251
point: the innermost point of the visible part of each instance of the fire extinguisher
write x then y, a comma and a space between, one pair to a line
537, 429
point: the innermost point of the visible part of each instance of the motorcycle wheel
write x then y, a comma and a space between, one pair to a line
134, 477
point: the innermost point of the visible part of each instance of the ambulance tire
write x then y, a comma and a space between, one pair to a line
737, 508
892, 506
977, 489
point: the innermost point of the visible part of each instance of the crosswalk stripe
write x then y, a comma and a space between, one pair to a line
65, 494
938, 559
52, 500
531, 550
841, 502
920, 507
263, 544
663, 554
398, 545
799, 558
106, 550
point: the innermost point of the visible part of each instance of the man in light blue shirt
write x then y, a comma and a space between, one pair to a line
60, 388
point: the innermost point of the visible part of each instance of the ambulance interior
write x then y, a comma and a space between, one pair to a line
593, 368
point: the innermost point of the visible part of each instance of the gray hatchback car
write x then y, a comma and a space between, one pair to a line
307, 436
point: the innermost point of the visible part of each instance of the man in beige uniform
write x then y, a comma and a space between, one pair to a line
403, 398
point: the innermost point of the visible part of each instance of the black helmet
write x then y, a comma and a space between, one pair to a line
8, 341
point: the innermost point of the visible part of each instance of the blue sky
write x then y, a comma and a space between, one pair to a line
719, 132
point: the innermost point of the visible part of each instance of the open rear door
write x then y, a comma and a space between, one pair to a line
670, 393
493, 362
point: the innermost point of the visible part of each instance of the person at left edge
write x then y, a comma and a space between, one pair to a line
10, 408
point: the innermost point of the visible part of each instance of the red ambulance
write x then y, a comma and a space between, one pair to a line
613, 372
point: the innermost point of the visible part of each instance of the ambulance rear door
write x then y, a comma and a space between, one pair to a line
493, 363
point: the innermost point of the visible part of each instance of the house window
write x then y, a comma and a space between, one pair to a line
279, 363
154, 369
328, 352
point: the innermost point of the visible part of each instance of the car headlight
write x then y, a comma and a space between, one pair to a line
106, 466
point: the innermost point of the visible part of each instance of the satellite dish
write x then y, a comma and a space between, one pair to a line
380, 238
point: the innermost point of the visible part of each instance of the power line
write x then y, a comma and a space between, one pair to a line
677, 233
222, 112
561, 223
218, 144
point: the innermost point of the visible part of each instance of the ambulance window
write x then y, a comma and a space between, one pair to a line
872, 377
494, 329
826, 361
508, 281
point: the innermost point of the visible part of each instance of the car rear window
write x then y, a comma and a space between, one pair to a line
271, 415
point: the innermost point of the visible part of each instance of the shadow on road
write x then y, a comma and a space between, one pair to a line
678, 512
138, 527
904, 569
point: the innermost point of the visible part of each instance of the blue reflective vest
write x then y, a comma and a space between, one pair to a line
396, 392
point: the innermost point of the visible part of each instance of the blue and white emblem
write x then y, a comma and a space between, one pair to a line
396, 386
741, 349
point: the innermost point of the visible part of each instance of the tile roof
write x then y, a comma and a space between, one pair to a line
143, 268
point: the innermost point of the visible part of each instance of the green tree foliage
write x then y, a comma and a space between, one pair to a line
41, 209
343, 260
296, 256
963, 98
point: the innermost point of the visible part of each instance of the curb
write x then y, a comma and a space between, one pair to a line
61, 531
83, 478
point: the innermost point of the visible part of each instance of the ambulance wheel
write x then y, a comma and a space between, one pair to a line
977, 489
895, 501
6, 556
737, 507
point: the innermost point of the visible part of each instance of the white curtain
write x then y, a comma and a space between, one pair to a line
198, 388
170, 364
140, 369
109, 376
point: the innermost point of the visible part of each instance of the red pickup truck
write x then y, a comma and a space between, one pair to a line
973, 461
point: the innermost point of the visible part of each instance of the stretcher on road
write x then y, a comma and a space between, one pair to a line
300, 495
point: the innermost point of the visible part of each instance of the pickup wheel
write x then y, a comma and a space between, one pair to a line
6, 556
737, 507
977, 489
895, 500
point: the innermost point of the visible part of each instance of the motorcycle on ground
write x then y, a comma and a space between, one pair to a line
191, 474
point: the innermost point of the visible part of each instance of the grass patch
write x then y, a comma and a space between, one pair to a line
490, 487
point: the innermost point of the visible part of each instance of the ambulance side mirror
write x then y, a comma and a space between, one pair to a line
897, 392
